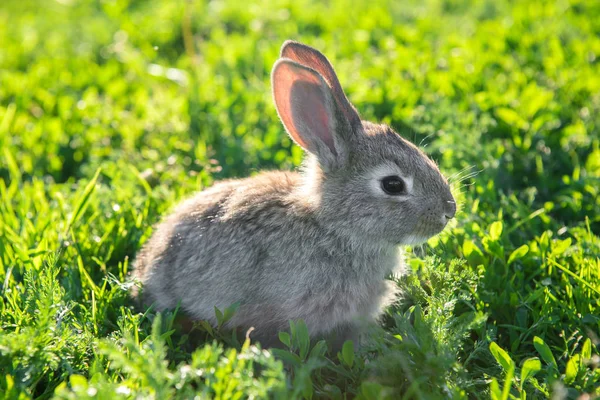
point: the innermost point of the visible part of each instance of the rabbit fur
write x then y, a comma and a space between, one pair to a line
315, 245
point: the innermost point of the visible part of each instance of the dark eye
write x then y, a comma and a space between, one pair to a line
393, 185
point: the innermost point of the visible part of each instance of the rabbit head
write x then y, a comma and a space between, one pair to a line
364, 180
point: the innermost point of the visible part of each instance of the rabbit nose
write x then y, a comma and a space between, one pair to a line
450, 209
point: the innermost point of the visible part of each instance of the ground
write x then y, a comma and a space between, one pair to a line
111, 111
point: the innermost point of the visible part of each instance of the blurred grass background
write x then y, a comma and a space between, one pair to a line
164, 97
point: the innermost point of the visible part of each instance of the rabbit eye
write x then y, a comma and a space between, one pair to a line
393, 185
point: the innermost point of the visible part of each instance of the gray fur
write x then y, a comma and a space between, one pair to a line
313, 245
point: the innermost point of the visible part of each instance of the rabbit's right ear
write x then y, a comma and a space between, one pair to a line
307, 108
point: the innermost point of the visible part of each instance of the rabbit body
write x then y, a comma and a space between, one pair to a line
238, 242
314, 245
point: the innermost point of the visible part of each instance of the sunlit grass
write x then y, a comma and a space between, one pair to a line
112, 111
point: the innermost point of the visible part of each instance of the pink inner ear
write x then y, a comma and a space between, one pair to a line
302, 106
309, 112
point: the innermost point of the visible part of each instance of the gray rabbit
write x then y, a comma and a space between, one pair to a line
313, 245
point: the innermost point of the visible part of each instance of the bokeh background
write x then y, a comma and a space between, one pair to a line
113, 110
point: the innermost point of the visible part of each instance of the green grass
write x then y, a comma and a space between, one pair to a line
113, 110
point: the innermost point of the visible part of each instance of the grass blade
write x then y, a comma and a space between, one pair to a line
82, 202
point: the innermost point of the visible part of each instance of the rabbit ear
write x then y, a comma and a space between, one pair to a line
305, 104
314, 59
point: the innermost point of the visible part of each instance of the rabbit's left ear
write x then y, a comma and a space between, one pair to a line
313, 58
305, 103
